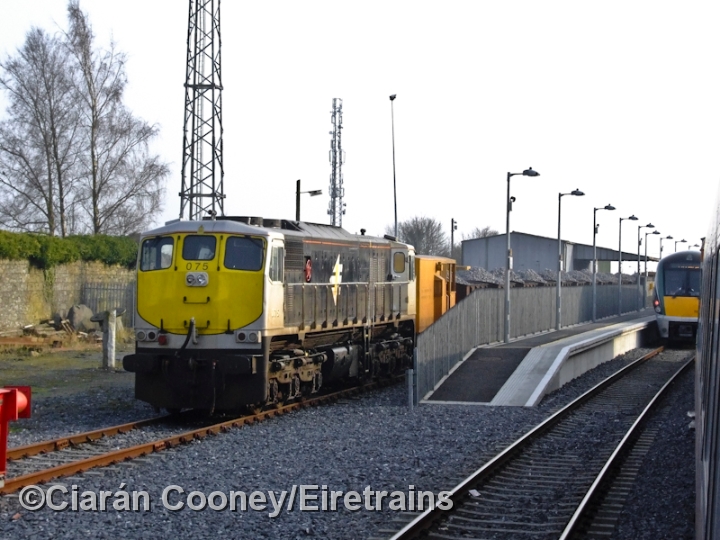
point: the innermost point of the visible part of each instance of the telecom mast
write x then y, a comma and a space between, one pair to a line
336, 208
202, 171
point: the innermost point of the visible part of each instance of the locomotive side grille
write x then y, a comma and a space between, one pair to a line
289, 300
294, 259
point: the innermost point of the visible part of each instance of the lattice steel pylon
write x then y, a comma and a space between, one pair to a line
336, 208
202, 171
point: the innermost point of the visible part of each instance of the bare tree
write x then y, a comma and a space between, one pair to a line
477, 232
37, 142
424, 233
72, 157
122, 182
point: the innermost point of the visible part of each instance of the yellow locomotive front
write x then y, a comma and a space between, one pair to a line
200, 316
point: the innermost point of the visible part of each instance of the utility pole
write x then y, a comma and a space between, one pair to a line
202, 166
453, 228
336, 208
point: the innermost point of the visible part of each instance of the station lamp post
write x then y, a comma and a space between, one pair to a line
639, 291
453, 228
594, 269
312, 193
392, 119
631, 218
683, 241
508, 261
558, 287
668, 237
646, 274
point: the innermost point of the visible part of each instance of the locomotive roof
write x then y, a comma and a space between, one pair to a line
270, 227
329, 232
680, 256
210, 226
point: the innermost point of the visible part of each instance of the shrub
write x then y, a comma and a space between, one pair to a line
48, 251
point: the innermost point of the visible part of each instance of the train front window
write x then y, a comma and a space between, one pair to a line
682, 282
244, 253
199, 248
156, 253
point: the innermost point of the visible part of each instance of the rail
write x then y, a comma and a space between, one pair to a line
540, 471
107, 458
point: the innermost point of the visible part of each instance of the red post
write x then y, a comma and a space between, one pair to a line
14, 404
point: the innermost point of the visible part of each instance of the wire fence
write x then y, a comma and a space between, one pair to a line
478, 320
106, 296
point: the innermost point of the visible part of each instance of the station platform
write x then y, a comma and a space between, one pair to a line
521, 372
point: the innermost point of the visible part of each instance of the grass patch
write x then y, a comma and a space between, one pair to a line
62, 372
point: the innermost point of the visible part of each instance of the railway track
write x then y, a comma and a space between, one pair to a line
551, 482
65, 456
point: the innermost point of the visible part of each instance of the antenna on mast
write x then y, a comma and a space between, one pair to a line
336, 208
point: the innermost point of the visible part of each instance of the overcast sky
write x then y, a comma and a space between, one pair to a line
619, 99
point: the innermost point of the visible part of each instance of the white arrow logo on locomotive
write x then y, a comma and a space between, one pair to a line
336, 279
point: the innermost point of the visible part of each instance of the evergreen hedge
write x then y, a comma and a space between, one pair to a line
47, 251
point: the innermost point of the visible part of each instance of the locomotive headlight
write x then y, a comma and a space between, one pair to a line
140, 335
247, 337
196, 279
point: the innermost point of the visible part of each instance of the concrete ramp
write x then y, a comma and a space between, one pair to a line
522, 372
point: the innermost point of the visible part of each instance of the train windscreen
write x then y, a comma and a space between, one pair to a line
156, 253
682, 280
244, 253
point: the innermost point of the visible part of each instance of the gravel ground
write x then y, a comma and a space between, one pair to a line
663, 504
373, 440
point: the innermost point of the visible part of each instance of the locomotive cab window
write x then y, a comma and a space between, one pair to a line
399, 262
244, 253
199, 248
156, 253
277, 259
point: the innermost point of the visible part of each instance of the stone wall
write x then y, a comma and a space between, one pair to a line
28, 295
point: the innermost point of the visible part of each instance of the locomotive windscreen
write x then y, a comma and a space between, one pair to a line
156, 253
244, 253
199, 248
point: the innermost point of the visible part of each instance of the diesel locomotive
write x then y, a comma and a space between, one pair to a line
238, 312
677, 295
